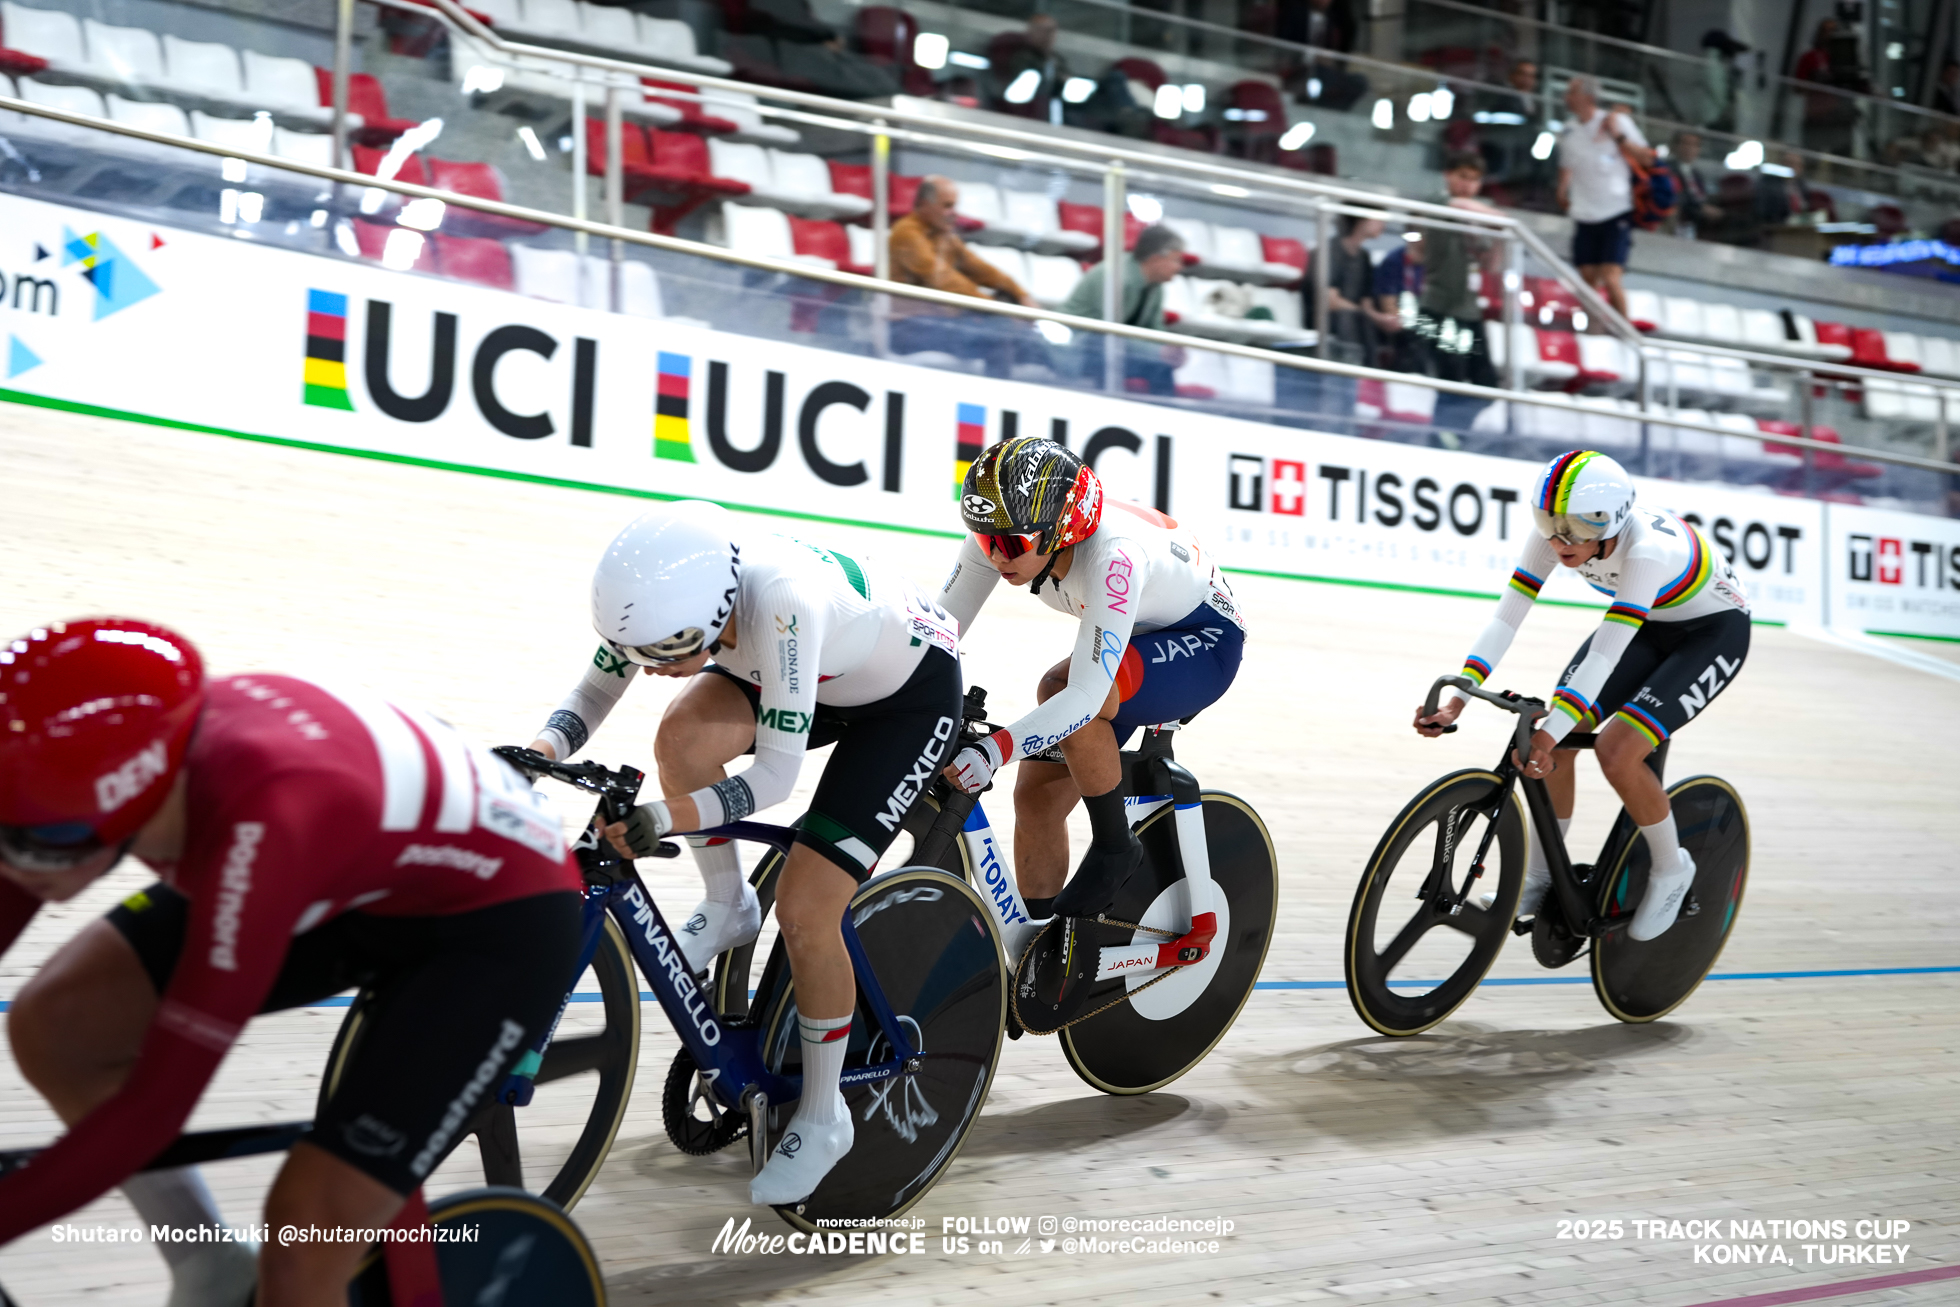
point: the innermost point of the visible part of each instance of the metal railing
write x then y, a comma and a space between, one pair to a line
621, 236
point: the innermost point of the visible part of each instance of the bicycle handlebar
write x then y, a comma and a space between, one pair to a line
1529, 710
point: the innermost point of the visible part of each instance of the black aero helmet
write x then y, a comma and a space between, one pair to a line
1031, 488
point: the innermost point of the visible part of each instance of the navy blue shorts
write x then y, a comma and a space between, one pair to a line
1603, 242
1169, 674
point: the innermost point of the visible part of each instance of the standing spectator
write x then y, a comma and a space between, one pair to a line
1595, 186
1508, 126
1450, 322
1157, 256
1328, 27
1830, 119
1721, 79
1697, 217
926, 251
1946, 96
1032, 51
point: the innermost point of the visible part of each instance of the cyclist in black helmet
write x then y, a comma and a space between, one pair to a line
1160, 638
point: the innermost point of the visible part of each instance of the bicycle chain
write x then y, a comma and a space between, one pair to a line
1014, 996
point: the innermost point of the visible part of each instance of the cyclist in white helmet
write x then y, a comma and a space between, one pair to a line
1674, 637
809, 646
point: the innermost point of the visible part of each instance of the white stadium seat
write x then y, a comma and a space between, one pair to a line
1240, 250
1009, 260
129, 54
740, 108
552, 17
315, 148
1942, 357
1052, 278
1196, 235
1721, 324
982, 202
1807, 342
670, 41
253, 135
53, 35
1538, 371
545, 274
149, 116
608, 25
1605, 426
203, 67
1763, 330
1682, 317
639, 289
864, 245
1034, 213
757, 230
1644, 310
75, 99
807, 177
1904, 347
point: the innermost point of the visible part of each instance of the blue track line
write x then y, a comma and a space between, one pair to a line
646, 996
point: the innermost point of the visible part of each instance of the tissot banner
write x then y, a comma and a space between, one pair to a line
230, 334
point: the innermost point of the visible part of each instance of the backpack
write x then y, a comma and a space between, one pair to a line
1655, 193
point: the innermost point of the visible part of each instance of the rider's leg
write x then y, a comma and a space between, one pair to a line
76, 1028
710, 722
1538, 868
1623, 751
316, 1190
1044, 794
810, 904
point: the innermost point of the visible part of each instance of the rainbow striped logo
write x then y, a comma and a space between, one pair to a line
969, 439
1561, 476
1575, 705
672, 435
1693, 577
325, 378
1644, 722
1526, 584
1476, 669
1626, 614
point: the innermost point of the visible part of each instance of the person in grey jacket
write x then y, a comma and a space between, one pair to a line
1157, 256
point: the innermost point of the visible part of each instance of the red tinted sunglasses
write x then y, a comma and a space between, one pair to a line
1008, 546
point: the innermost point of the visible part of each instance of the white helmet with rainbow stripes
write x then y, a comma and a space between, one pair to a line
1582, 495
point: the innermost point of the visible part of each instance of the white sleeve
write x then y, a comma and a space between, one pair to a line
1640, 581
972, 580
1631, 130
793, 619
579, 714
1099, 645
1535, 563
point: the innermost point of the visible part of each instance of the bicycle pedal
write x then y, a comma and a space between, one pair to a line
1056, 975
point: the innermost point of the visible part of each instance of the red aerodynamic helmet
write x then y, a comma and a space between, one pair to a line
95, 718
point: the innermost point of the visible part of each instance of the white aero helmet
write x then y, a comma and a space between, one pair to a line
1582, 495
667, 583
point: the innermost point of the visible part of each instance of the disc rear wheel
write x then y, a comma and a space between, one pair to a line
1639, 982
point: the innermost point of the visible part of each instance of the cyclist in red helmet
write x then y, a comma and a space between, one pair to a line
1160, 637
308, 841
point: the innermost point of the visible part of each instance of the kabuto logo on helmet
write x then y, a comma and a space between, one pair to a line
114, 789
979, 506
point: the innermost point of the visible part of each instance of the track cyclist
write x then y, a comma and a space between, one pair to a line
1673, 639
309, 841
1160, 638
809, 646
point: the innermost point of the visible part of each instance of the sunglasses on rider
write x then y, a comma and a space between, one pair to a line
48, 849
1008, 545
676, 648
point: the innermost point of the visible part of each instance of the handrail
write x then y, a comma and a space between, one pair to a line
716, 253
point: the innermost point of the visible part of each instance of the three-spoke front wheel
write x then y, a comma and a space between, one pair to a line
1419, 939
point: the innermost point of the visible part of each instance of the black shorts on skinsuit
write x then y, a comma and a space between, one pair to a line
1670, 672
887, 755
457, 1001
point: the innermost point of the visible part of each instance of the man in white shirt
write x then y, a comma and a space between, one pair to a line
1595, 186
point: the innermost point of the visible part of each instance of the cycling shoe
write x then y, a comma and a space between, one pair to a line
714, 928
1095, 884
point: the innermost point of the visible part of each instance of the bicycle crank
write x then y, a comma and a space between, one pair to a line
1061, 968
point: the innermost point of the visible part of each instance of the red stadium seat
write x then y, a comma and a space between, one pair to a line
826, 240
1262, 121
885, 36
484, 182
367, 159
473, 258
372, 238
366, 98
1868, 350
693, 117
1284, 249
1088, 219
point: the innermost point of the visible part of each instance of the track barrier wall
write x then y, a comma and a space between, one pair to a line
156, 324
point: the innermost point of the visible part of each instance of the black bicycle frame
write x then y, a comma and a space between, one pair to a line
1572, 891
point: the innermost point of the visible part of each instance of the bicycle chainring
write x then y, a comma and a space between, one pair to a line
681, 1096
1057, 975
1551, 943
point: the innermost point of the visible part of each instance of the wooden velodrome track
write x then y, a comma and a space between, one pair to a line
1357, 1169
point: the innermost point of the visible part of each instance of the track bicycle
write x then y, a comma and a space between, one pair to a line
525, 1249
932, 994
1461, 819
1144, 992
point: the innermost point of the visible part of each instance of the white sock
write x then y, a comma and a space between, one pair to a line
1663, 846
824, 1043
721, 869
178, 1199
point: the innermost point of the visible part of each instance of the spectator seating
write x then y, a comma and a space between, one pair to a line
563, 277
474, 258
885, 36
1234, 253
1191, 300
1208, 375
756, 230
398, 247
190, 74
733, 113
1026, 219
617, 31
796, 183
855, 179
1052, 278
830, 242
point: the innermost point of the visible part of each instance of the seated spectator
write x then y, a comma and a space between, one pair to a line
1946, 97
1354, 323
1788, 200
1328, 27
1034, 51
1696, 215
1157, 256
926, 251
